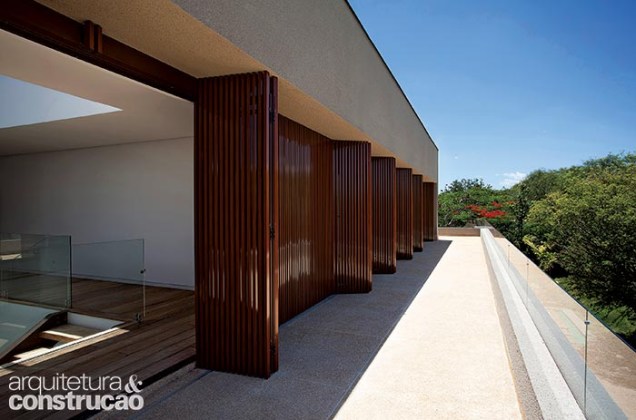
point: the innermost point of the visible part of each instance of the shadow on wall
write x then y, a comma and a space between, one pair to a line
323, 353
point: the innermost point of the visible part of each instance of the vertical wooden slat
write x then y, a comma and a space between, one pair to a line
384, 215
404, 182
306, 219
235, 206
353, 224
275, 224
418, 213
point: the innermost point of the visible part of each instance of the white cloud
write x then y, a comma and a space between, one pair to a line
511, 178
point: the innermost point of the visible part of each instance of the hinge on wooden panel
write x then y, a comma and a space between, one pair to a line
271, 232
272, 108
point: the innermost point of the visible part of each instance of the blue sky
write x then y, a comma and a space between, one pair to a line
506, 87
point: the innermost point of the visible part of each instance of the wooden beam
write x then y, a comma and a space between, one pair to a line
86, 42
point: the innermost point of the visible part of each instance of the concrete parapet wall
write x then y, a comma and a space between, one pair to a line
458, 231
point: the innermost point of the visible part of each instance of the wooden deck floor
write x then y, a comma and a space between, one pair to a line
162, 342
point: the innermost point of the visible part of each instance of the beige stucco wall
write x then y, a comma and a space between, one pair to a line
331, 78
320, 47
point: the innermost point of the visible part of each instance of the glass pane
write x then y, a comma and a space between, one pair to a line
558, 317
36, 269
108, 279
599, 368
561, 322
514, 265
611, 375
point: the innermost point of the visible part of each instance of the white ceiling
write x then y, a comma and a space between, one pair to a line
146, 114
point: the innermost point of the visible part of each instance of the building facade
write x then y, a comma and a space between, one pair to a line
262, 149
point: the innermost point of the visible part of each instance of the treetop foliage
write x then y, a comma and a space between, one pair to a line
577, 223
463, 185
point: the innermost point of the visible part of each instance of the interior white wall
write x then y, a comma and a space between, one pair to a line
110, 193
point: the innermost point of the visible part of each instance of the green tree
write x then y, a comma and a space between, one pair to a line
520, 208
452, 210
538, 184
587, 229
466, 201
464, 185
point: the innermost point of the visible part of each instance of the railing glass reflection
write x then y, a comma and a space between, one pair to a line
115, 265
36, 269
599, 368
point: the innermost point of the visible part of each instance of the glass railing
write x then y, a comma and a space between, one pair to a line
36, 269
599, 367
109, 279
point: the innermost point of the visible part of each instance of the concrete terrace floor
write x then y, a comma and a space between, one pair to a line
425, 343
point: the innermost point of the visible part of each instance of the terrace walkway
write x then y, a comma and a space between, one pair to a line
425, 343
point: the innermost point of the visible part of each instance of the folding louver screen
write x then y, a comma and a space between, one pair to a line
306, 240
418, 213
384, 215
235, 210
404, 213
352, 191
430, 211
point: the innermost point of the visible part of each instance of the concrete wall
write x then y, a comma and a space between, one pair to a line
319, 47
331, 78
458, 231
132, 191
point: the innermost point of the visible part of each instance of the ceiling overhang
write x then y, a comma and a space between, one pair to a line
145, 113
172, 41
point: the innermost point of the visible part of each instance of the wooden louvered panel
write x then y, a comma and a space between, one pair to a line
235, 208
404, 182
353, 224
418, 213
430, 211
384, 215
306, 243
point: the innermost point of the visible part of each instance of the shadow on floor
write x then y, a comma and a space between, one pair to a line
323, 353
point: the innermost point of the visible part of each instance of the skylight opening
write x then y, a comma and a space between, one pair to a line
23, 103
